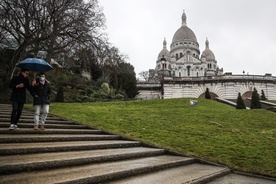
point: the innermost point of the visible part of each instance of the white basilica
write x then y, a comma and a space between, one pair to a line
183, 59
183, 73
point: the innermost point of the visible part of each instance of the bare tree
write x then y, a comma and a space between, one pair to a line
56, 27
76, 25
145, 75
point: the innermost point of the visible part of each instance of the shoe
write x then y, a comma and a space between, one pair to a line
35, 127
11, 127
42, 127
16, 127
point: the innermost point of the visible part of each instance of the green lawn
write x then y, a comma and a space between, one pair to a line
241, 139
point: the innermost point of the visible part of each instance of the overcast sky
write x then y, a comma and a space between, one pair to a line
241, 33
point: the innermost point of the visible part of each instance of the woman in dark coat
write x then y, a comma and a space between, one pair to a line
18, 84
42, 94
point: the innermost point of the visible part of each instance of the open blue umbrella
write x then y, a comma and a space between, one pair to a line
35, 65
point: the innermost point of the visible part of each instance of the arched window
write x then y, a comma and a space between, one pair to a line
181, 54
176, 56
188, 70
164, 65
188, 55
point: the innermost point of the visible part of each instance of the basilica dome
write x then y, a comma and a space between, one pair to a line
164, 52
207, 53
184, 33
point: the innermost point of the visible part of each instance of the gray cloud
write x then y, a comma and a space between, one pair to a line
242, 33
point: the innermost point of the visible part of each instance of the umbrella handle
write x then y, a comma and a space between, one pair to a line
34, 80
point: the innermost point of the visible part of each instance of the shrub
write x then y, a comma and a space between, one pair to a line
255, 100
263, 97
207, 94
240, 102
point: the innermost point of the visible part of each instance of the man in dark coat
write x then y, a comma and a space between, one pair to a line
18, 84
42, 95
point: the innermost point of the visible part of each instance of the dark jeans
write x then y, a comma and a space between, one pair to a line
17, 108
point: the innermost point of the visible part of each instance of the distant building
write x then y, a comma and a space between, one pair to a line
183, 73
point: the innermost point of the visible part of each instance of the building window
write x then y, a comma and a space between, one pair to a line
176, 56
188, 56
181, 54
188, 70
164, 66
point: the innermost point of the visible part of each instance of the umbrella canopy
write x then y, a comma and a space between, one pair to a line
35, 65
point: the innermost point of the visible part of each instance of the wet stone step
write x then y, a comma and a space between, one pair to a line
30, 138
96, 173
42, 147
8, 111
48, 121
242, 179
49, 131
60, 126
193, 173
42, 161
31, 117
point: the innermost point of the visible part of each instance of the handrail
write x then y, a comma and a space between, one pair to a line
220, 78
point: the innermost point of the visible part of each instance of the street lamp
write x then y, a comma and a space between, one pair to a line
163, 61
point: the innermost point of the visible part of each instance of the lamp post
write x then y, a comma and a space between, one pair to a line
163, 61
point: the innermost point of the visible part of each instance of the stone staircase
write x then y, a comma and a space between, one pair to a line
67, 152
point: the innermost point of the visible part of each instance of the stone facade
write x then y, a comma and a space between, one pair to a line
225, 86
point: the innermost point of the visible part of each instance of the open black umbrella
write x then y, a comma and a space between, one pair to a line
35, 65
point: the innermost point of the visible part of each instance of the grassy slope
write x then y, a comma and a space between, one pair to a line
241, 139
